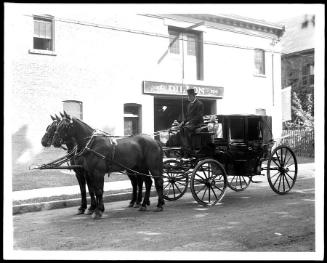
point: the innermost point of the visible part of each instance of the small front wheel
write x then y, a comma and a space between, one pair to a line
175, 180
282, 169
238, 182
208, 182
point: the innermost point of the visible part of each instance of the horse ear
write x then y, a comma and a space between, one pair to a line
58, 118
62, 115
66, 115
53, 118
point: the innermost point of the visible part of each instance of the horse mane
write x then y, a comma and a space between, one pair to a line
82, 122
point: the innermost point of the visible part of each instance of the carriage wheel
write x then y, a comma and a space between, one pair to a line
208, 182
175, 180
238, 182
282, 169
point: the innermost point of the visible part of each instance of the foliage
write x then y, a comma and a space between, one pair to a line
302, 113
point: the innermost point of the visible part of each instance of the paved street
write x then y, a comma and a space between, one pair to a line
255, 220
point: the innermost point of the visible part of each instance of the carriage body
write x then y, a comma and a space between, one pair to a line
228, 150
243, 143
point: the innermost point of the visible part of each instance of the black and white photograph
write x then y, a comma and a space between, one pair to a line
163, 131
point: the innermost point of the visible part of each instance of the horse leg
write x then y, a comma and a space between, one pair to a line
98, 187
158, 182
133, 179
148, 184
81, 181
140, 180
92, 207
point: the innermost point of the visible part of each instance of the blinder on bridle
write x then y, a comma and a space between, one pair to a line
62, 129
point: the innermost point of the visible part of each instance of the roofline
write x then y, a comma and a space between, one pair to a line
250, 21
294, 53
253, 21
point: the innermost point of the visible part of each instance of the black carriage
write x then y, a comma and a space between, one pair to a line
229, 150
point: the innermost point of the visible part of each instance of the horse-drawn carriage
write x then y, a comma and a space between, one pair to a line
229, 150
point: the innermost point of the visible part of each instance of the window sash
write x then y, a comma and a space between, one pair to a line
259, 61
191, 44
43, 29
173, 42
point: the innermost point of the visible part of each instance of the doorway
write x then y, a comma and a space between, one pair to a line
166, 110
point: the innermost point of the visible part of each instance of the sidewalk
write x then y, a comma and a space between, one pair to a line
67, 196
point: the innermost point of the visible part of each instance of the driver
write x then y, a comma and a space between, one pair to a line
194, 119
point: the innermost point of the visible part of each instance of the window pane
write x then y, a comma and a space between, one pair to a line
174, 42
36, 28
259, 61
191, 45
48, 31
237, 129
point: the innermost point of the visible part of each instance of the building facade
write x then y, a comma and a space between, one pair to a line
298, 52
128, 73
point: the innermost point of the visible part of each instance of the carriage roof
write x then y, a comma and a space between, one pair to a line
264, 122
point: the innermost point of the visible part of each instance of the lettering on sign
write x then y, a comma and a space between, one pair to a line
152, 87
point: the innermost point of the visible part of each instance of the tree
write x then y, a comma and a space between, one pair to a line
302, 117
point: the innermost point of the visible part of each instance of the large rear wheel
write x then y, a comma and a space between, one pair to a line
282, 169
208, 182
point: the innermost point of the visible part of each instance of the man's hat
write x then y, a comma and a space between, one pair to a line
191, 91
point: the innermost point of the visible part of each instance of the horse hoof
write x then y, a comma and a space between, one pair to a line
131, 205
90, 212
158, 209
96, 215
142, 208
80, 211
137, 206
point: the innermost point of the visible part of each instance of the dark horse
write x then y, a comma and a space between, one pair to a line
100, 154
79, 172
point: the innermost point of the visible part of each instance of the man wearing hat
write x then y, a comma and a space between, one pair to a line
194, 119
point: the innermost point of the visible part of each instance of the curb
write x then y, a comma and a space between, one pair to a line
41, 206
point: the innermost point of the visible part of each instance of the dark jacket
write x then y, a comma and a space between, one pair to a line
194, 113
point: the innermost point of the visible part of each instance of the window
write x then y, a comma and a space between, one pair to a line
186, 48
191, 44
74, 108
43, 33
259, 61
132, 119
308, 75
174, 42
237, 126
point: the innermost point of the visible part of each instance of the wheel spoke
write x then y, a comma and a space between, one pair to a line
214, 192
278, 159
290, 177
178, 188
285, 156
277, 179
166, 186
200, 176
204, 193
274, 175
288, 160
280, 180
200, 189
287, 182
218, 188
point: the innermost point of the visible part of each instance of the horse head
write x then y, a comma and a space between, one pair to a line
50, 131
63, 132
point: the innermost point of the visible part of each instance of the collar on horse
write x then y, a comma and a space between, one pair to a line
88, 145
